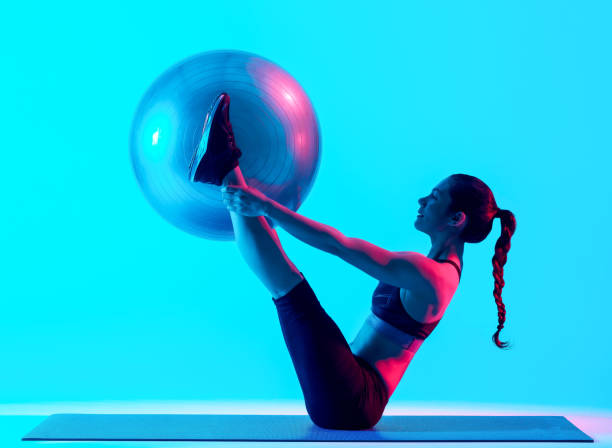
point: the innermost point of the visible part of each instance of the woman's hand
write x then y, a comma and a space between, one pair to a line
246, 201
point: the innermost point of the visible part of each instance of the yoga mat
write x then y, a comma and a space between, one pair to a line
232, 427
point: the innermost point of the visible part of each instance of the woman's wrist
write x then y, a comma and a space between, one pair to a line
269, 207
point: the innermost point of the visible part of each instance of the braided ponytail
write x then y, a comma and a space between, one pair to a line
502, 246
473, 197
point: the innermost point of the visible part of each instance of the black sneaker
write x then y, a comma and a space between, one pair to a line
217, 153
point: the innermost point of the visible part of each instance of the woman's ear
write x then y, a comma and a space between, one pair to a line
458, 219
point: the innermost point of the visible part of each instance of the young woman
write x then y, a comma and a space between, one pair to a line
348, 386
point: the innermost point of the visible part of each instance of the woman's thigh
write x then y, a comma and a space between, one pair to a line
338, 388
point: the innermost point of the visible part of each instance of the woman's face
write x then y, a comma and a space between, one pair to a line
433, 212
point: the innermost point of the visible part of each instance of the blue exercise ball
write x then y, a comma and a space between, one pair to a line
273, 120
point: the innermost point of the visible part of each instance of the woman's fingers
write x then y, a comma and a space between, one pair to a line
241, 200
232, 196
230, 190
233, 201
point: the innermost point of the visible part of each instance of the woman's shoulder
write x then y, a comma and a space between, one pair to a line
441, 280
438, 274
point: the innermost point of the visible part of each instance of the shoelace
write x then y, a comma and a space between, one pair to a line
229, 134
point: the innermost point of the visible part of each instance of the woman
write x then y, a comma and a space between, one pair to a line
348, 386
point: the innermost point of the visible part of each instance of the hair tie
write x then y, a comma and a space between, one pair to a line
498, 212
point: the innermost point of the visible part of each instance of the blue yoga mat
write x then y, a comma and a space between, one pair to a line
298, 428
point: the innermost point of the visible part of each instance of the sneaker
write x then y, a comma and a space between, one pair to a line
217, 153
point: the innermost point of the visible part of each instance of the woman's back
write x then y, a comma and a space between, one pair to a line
391, 335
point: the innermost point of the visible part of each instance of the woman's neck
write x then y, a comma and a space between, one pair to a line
446, 251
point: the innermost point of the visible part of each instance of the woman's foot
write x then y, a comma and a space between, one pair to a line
217, 153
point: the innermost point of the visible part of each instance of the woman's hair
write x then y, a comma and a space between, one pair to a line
474, 198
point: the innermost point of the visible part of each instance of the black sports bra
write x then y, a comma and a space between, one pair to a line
387, 304
453, 263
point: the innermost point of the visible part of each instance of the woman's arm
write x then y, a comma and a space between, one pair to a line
403, 269
249, 201
311, 232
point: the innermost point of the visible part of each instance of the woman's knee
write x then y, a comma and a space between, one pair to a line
285, 284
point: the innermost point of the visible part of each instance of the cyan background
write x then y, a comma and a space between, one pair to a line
104, 300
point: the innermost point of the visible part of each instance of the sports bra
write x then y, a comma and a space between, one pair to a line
387, 305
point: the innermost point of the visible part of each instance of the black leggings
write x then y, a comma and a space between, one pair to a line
341, 390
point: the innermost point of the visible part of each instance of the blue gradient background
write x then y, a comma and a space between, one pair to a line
104, 300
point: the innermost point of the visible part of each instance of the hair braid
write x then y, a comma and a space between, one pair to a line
502, 247
473, 197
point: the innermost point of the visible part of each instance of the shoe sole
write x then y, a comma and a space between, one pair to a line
203, 145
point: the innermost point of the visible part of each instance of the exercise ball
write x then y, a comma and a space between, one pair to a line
274, 124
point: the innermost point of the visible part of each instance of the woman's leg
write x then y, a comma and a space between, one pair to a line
261, 248
341, 391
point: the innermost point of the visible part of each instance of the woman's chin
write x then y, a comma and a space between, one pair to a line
419, 225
